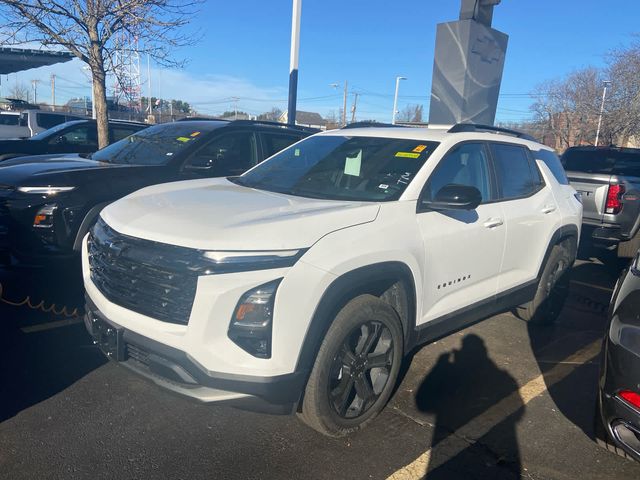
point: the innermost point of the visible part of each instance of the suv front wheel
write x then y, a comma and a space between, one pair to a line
356, 368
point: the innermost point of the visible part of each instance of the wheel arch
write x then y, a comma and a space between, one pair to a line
88, 221
392, 282
567, 235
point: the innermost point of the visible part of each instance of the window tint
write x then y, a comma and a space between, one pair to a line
605, 161
553, 162
9, 119
230, 154
516, 175
80, 135
48, 120
467, 165
273, 143
120, 132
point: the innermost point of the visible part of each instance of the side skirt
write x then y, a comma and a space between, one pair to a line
456, 321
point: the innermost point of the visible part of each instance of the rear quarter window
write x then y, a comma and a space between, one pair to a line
48, 120
9, 119
552, 161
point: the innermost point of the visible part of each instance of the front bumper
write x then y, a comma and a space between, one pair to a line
174, 370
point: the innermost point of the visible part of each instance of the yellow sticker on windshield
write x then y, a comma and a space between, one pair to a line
194, 134
407, 155
419, 148
183, 139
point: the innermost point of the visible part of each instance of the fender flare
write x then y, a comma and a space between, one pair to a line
88, 221
561, 234
344, 288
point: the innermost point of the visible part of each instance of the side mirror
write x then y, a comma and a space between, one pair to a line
454, 197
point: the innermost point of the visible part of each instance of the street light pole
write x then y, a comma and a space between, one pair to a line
604, 96
293, 66
395, 100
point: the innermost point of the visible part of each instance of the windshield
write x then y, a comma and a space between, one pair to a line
342, 168
152, 146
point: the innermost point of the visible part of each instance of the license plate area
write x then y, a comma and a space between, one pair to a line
107, 337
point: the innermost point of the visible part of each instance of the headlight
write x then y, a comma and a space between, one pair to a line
236, 261
44, 216
251, 323
45, 190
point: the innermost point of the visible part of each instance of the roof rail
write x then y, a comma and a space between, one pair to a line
369, 124
472, 127
274, 124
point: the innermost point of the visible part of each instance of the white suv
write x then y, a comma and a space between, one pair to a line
302, 284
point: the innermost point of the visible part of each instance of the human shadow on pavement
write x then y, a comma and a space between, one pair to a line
464, 385
36, 361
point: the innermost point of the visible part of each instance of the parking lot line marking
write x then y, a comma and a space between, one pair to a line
470, 433
41, 327
589, 285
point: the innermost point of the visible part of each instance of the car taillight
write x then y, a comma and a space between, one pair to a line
630, 397
614, 199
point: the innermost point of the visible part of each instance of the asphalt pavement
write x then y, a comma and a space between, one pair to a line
501, 399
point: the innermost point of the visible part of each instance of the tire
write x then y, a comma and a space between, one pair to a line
345, 391
552, 290
629, 248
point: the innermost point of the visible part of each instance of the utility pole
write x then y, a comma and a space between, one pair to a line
149, 82
34, 83
293, 65
344, 105
604, 96
354, 106
235, 107
395, 100
53, 91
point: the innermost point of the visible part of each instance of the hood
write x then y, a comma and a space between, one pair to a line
215, 214
45, 169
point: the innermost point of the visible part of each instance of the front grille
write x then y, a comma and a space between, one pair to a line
151, 278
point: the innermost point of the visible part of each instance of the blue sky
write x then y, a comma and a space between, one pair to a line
244, 52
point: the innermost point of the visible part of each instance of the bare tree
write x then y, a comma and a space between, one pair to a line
271, 116
89, 29
19, 91
410, 113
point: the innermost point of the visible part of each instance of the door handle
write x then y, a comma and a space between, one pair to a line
549, 209
493, 222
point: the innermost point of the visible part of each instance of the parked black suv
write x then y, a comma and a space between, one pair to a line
608, 178
77, 136
48, 203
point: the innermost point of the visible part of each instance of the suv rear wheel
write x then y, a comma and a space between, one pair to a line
552, 290
356, 368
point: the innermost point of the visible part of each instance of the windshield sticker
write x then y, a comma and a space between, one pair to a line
183, 139
407, 155
194, 134
419, 148
352, 164
383, 186
169, 154
297, 152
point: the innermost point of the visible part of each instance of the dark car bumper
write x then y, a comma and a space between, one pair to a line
174, 370
620, 369
621, 420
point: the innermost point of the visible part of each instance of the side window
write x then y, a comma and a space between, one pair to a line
79, 135
274, 142
553, 162
466, 164
48, 120
516, 175
230, 154
118, 133
9, 119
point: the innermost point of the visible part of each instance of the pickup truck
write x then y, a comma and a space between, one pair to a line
608, 179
